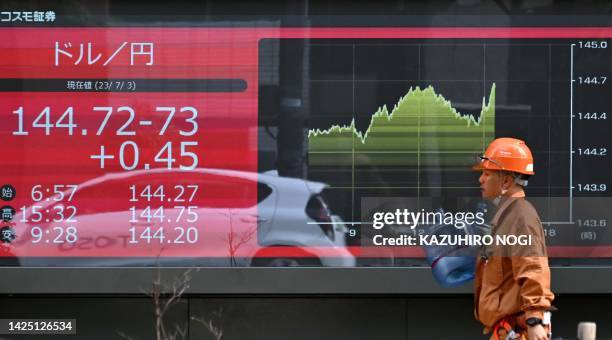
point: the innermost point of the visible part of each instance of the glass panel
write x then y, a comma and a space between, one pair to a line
341, 136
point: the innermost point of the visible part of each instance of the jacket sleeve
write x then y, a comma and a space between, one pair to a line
533, 277
531, 271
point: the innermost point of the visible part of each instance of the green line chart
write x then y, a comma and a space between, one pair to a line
422, 129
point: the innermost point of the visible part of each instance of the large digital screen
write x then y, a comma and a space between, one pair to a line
249, 146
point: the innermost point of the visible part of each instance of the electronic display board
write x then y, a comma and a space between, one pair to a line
248, 146
387, 134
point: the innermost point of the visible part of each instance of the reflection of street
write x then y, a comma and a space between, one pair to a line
206, 217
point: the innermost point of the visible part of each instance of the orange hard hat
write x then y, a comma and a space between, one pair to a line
508, 154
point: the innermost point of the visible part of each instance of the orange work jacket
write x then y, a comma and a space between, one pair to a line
511, 280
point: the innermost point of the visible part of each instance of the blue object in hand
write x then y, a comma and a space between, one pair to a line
453, 270
453, 265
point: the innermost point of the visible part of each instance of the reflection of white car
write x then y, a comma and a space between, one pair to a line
207, 217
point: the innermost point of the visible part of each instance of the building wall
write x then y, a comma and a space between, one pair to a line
295, 317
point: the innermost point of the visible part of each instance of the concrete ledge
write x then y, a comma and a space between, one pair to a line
390, 281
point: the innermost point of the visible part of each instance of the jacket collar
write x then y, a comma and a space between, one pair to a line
503, 206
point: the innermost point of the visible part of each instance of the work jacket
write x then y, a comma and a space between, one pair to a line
512, 280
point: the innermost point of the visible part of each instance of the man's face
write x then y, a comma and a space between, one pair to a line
490, 184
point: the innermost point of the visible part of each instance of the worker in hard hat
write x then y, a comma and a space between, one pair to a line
512, 284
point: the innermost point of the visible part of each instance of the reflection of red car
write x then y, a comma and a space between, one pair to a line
7, 236
221, 217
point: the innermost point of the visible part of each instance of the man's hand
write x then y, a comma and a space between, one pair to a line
537, 332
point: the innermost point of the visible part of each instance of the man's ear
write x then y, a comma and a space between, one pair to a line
508, 181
